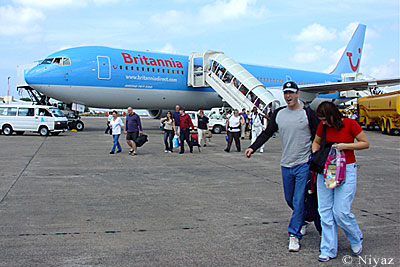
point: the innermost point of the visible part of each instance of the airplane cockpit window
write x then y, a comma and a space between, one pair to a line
62, 61
47, 61
57, 60
66, 61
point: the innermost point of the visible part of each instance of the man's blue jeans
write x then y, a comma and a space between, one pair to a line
116, 143
334, 206
294, 187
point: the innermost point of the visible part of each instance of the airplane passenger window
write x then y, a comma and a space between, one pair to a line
120, 67
66, 61
137, 68
168, 70
163, 71
177, 72
158, 70
183, 73
47, 61
26, 112
126, 68
148, 69
132, 68
173, 71
142, 68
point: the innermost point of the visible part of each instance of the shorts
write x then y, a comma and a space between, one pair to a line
132, 136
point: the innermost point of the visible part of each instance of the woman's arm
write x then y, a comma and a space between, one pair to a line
316, 144
362, 143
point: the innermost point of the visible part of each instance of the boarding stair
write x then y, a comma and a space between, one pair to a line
234, 84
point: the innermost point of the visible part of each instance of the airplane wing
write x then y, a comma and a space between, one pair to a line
344, 86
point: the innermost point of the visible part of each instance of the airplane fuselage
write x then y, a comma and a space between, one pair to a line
117, 78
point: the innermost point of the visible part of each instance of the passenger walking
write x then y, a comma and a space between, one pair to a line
256, 126
108, 129
233, 129
297, 126
334, 205
176, 115
243, 126
116, 125
133, 129
169, 131
202, 127
185, 122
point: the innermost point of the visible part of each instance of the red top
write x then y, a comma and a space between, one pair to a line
185, 122
346, 135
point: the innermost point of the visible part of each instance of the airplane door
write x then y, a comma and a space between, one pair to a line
104, 68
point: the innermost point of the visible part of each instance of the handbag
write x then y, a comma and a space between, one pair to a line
141, 140
318, 159
335, 168
175, 141
208, 134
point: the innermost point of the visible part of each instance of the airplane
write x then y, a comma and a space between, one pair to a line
103, 77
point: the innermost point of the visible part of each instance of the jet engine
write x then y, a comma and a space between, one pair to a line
157, 113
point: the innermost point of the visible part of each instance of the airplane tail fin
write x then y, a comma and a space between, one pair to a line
350, 60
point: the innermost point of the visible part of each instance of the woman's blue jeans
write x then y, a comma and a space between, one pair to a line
116, 143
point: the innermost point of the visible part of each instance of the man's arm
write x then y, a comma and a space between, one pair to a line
139, 123
265, 135
190, 122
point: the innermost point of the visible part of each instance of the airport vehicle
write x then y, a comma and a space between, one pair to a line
20, 118
104, 77
381, 110
216, 123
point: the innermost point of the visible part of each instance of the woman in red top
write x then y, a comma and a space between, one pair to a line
334, 205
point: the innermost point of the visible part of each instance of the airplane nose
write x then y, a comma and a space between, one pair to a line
34, 75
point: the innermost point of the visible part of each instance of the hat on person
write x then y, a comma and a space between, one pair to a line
290, 86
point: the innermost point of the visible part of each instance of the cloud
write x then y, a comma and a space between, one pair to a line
19, 20
313, 55
167, 48
390, 69
228, 10
315, 33
51, 4
187, 21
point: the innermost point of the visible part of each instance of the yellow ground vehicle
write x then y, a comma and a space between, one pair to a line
381, 110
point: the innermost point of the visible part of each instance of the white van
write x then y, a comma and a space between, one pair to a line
19, 118
216, 123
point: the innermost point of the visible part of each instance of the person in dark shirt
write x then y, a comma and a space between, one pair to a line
202, 127
243, 126
185, 122
176, 115
133, 128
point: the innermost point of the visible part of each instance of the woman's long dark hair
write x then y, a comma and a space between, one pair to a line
172, 117
332, 114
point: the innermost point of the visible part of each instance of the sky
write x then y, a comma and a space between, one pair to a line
309, 35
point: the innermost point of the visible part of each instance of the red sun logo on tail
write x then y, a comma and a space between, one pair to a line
349, 54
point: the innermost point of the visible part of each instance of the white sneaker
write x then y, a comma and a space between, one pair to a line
261, 150
303, 230
166, 151
294, 244
357, 249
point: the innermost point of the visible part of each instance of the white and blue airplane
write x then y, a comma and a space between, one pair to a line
104, 77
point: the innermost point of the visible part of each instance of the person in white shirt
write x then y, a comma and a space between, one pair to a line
233, 130
256, 126
116, 125
108, 123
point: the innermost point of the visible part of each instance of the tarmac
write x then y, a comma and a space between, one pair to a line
65, 201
